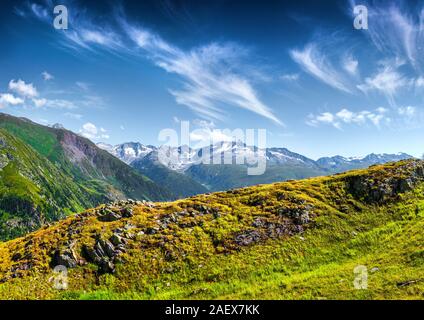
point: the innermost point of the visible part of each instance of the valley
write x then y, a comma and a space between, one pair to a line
48, 173
281, 164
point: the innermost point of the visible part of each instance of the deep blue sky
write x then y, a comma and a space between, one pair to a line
125, 71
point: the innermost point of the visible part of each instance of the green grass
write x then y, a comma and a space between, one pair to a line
42, 140
47, 174
197, 256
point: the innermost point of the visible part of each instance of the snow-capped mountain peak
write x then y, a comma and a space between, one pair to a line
183, 157
128, 151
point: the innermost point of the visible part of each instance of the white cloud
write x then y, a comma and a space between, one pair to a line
89, 128
176, 119
9, 99
345, 116
207, 135
39, 11
419, 83
99, 37
325, 117
290, 77
47, 76
387, 81
408, 111
39, 102
382, 110
22, 88
83, 85
72, 115
396, 31
209, 82
83, 33
204, 123
350, 65
212, 75
315, 63
59, 104
90, 131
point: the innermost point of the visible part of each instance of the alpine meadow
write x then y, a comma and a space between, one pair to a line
210, 155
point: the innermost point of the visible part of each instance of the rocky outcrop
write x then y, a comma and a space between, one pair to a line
65, 258
383, 187
117, 210
102, 254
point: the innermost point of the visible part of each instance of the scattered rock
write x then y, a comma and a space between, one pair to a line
409, 282
65, 258
248, 238
127, 212
17, 256
378, 189
107, 247
116, 240
105, 253
152, 230
109, 216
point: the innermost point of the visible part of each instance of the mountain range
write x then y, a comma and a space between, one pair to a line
66, 202
281, 164
49, 172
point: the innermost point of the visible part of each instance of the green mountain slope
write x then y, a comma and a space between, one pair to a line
181, 185
33, 191
289, 240
46, 173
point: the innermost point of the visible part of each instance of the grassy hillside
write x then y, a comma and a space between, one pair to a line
289, 240
81, 159
33, 191
48, 173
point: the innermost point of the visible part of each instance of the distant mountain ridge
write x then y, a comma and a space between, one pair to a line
129, 151
340, 163
46, 173
282, 164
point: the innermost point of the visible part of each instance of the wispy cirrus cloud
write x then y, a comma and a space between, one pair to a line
314, 62
54, 103
396, 28
83, 85
290, 77
214, 75
72, 115
211, 73
419, 83
387, 81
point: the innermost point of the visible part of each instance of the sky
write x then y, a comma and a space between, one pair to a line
125, 71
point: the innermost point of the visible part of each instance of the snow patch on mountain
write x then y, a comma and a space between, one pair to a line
183, 157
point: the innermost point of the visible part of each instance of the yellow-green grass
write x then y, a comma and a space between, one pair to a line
197, 257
